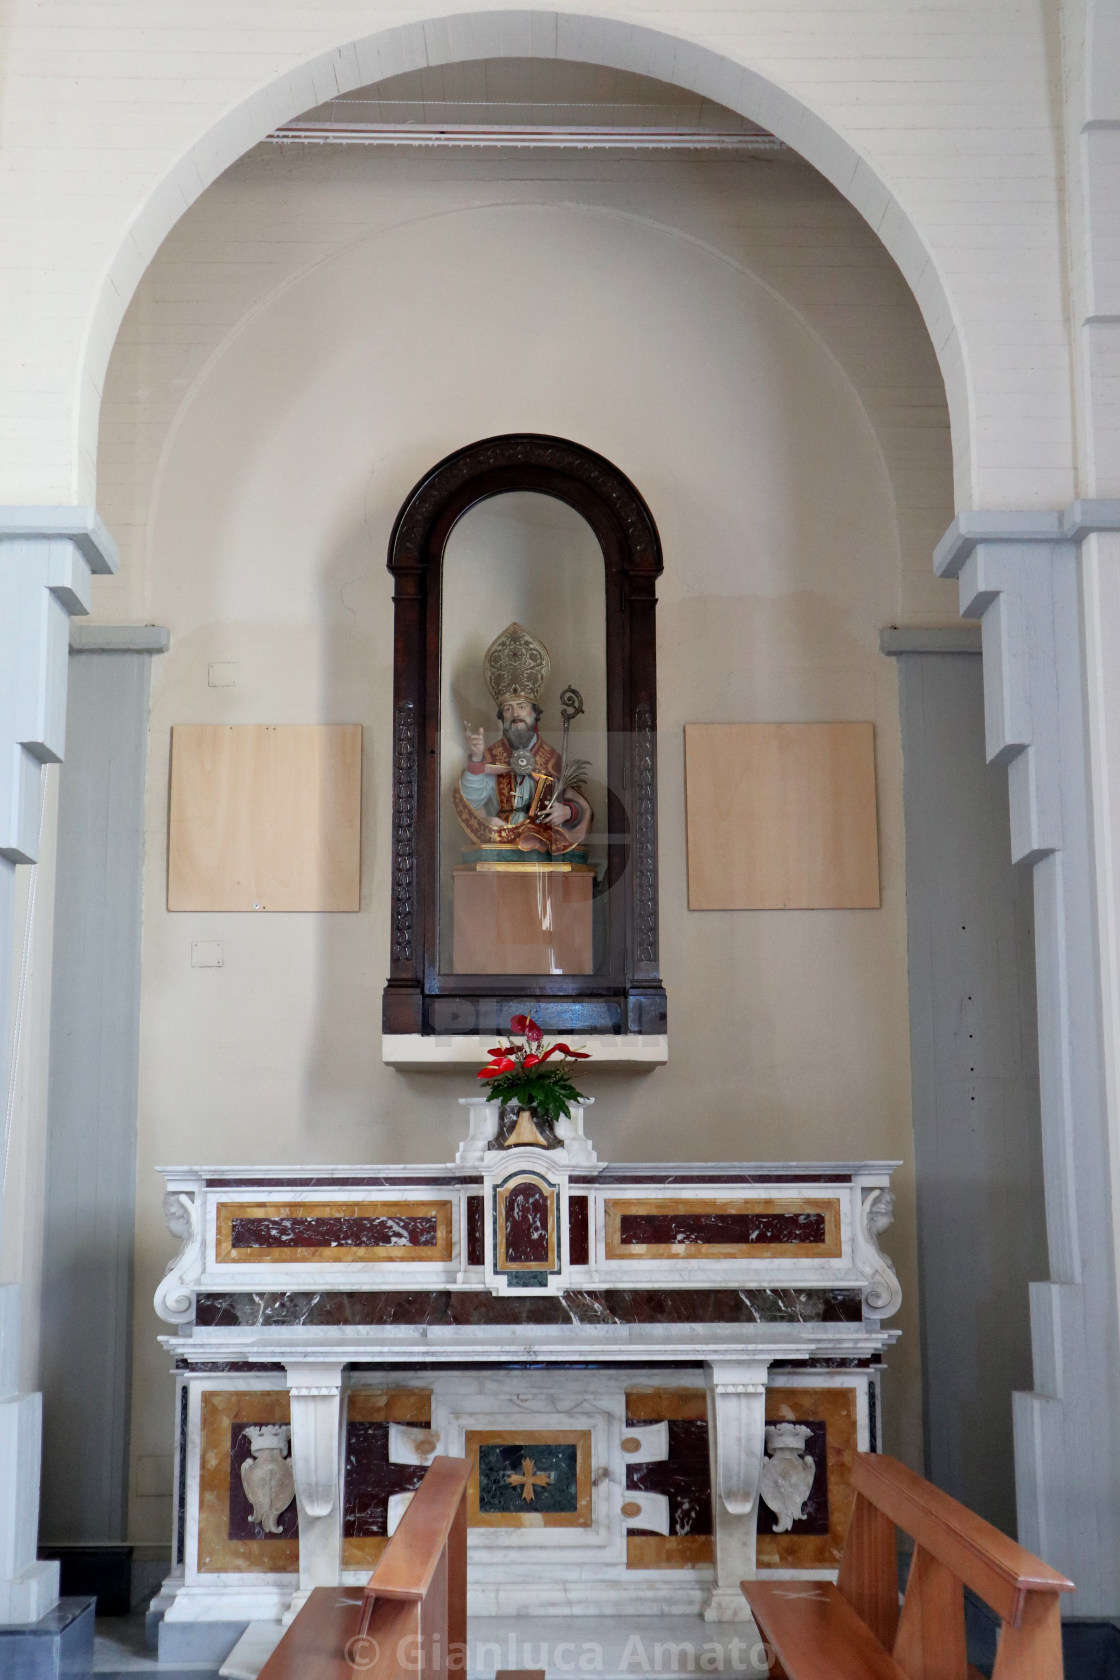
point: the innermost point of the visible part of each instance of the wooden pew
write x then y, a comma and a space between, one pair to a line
411, 1614
855, 1630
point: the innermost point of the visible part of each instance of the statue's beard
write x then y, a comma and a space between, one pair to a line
519, 734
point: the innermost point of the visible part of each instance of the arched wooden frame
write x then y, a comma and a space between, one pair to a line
629, 996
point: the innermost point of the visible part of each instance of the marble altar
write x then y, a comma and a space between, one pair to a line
617, 1347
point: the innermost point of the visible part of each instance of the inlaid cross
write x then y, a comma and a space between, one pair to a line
527, 1480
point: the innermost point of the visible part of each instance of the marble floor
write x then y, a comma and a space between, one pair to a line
603, 1648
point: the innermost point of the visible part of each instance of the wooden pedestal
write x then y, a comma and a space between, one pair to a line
524, 919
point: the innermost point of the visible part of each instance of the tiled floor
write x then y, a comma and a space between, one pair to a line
605, 1648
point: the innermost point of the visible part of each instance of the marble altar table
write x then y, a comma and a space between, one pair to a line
660, 1372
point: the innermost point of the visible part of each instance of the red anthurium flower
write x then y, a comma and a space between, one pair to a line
532, 1032
500, 1064
497, 1050
518, 1023
577, 1055
531, 1061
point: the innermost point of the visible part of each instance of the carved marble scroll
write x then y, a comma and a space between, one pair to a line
174, 1300
882, 1293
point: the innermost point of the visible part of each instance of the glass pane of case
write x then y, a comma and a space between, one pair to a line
523, 742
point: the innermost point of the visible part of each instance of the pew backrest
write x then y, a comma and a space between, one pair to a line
953, 1549
411, 1616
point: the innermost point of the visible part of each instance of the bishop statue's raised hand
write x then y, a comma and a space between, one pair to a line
476, 743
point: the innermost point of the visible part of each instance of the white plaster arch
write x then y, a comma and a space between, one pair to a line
538, 34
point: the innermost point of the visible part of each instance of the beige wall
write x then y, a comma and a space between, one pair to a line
319, 329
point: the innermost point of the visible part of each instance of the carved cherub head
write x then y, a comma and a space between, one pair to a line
880, 1215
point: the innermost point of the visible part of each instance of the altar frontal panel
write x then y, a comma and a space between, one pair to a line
529, 1478
781, 816
370, 1476
684, 1477
662, 1228
816, 1539
228, 1537
265, 817
263, 1233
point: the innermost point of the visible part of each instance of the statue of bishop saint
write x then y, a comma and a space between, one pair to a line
515, 796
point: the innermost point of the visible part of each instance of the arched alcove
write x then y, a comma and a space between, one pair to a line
594, 40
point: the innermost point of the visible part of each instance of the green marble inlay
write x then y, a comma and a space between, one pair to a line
497, 1462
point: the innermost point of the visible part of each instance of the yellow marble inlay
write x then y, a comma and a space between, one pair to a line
225, 1253
614, 1208
217, 1553
504, 1264
836, 1409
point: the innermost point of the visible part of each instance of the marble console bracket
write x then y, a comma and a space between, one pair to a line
736, 1432
316, 1393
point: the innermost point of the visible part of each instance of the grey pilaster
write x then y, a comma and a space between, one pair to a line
974, 1059
1020, 575
86, 1335
47, 556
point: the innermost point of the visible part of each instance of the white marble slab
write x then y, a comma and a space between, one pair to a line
420, 1053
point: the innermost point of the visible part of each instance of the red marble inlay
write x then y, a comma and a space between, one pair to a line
476, 1233
578, 1250
526, 1215
816, 1518
698, 1229
370, 1479
241, 1524
685, 1476
362, 1231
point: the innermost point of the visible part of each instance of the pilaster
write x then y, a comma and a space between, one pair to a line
90, 1178
47, 557
1021, 575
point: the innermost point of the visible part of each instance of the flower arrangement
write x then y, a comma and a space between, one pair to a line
517, 1072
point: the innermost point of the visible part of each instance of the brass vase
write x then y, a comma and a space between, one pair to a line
528, 1131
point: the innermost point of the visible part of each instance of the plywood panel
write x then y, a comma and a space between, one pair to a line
781, 816
265, 817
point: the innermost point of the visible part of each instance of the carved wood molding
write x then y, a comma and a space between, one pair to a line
513, 450
404, 833
645, 838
